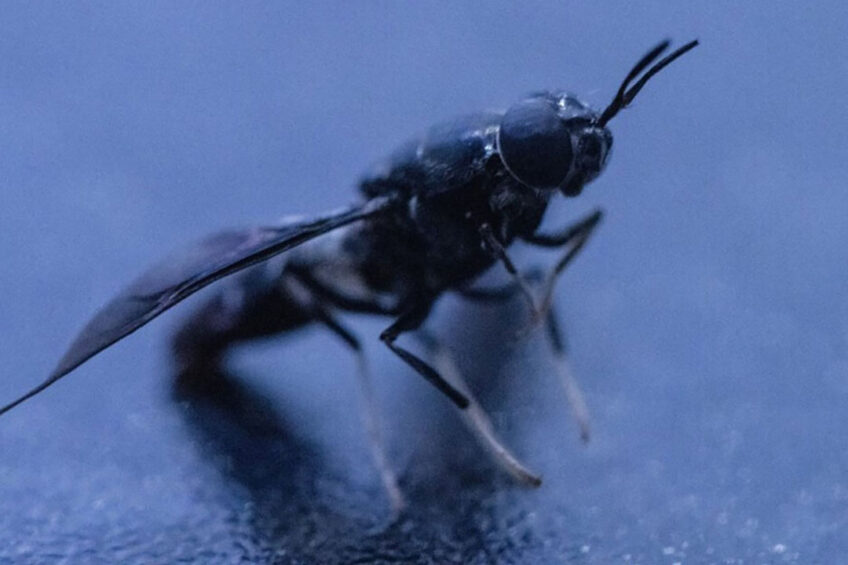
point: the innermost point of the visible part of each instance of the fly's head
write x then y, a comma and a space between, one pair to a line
552, 140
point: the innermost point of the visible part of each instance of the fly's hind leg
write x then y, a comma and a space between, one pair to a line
370, 414
263, 302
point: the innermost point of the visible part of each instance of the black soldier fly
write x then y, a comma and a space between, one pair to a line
436, 215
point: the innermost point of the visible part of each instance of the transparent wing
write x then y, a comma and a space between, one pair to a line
185, 273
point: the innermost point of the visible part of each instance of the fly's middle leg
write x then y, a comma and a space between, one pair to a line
474, 416
409, 321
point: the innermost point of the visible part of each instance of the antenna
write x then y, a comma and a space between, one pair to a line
624, 96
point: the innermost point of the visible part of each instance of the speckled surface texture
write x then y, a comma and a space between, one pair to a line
708, 320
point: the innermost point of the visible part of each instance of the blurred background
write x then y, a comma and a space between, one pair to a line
707, 320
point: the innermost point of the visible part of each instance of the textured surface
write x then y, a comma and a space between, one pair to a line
708, 320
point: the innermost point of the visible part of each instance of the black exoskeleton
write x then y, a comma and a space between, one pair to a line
436, 215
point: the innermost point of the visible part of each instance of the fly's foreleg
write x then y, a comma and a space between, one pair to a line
569, 382
557, 342
502, 292
494, 247
573, 237
567, 235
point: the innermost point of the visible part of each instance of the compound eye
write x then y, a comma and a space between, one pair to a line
535, 144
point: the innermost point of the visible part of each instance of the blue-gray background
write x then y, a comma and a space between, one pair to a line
708, 319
